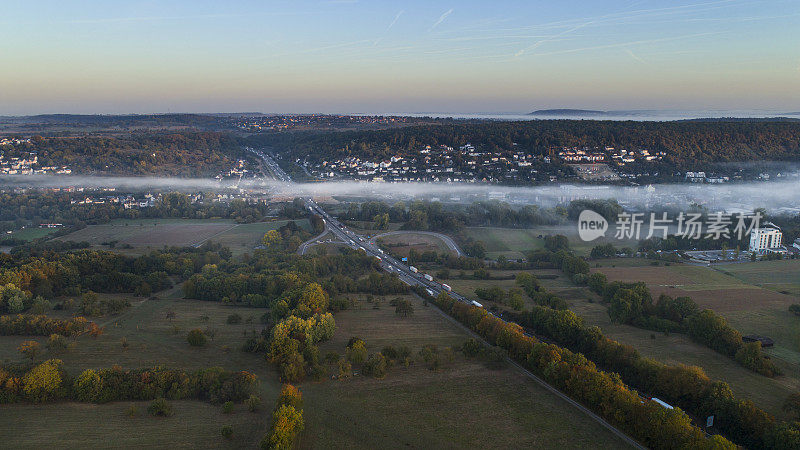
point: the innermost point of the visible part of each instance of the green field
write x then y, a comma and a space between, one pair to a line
746, 311
153, 340
781, 276
465, 404
513, 242
80, 425
31, 233
144, 234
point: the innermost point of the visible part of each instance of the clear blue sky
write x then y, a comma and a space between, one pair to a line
397, 56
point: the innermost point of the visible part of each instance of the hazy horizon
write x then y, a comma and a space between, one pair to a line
350, 56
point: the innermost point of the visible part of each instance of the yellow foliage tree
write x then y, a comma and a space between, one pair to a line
287, 425
43, 382
272, 237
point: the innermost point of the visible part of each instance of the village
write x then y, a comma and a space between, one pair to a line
469, 164
27, 165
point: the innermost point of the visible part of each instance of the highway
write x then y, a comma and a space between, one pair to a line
342, 234
408, 276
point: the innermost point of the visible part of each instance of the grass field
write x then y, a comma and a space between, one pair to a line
142, 234
79, 425
401, 244
767, 393
465, 404
771, 320
780, 276
153, 340
31, 233
512, 242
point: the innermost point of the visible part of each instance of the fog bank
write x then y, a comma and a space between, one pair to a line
776, 196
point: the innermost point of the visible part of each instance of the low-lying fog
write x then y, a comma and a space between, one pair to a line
777, 196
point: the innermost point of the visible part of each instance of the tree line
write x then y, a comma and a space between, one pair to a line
48, 382
46, 273
688, 387
649, 423
31, 208
632, 303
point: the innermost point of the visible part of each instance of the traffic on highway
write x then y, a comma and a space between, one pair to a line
414, 277
355, 241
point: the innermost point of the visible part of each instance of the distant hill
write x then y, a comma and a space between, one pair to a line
568, 112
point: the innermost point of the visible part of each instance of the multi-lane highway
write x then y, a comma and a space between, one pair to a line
342, 234
412, 278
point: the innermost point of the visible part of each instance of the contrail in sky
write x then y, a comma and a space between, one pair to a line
396, 18
441, 19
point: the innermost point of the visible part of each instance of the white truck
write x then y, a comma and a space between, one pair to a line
427, 277
662, 403
447, 287
477, 304
413, 269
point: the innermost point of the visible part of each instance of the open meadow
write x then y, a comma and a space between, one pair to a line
463, 404
153, 338
144, 234
513, 242
763, 312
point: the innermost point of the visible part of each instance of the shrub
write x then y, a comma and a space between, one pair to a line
132, 411
471, 348
253, 403
318, 372
196, 338
389, 352
356, 351
160, 408
375, 366
331, 357
227, 407
88, 386
226, 431
234, 319
57, 343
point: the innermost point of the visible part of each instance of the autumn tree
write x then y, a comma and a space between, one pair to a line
196, 338
271, 238
375, 366
44, 382
30, 349
356, 350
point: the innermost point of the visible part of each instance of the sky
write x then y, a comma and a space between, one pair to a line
373, 56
